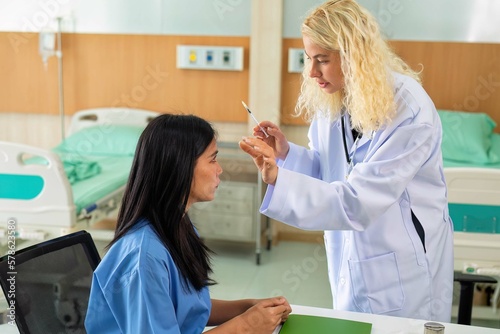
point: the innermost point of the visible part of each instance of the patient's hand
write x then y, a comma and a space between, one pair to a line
267, 314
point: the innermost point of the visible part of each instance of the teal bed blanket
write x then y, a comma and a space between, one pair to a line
113, 174
80, 169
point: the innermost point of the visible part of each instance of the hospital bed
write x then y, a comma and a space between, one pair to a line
49, 193
471, 158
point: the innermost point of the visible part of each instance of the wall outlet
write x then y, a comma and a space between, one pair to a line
203, 57
296, 59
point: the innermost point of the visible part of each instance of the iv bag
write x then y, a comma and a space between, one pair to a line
47, 45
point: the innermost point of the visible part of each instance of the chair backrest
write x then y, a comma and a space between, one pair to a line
47, 285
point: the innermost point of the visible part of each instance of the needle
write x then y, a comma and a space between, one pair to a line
255, 119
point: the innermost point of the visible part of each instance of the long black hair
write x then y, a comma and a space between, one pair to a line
158, 189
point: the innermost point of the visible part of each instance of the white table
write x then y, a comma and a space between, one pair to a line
381, 324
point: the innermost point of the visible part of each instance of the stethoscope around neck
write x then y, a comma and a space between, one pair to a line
357, 136
344, 138
350, 161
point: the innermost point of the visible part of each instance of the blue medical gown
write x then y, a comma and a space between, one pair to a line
137, 288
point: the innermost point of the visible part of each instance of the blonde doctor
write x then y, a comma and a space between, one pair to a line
372, 178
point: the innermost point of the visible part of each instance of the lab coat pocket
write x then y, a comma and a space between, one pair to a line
377, 284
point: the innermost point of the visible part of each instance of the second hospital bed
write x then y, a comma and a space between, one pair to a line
471, 158
48, 193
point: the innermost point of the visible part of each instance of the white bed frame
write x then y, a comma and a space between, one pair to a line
477, 251
479, 186
53, 212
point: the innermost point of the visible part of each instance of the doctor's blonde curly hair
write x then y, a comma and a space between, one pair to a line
367, 64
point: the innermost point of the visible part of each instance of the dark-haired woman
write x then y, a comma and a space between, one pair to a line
155, 276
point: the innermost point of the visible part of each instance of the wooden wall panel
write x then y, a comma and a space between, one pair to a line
290, 87
457, 76
120, 70
139, 71
25, 84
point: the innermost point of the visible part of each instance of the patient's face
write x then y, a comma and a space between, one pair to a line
206, 176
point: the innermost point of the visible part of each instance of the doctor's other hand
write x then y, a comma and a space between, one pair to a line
263, 157
267, 314
276, 139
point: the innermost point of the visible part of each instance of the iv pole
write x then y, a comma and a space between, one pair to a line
60, 77
47, 50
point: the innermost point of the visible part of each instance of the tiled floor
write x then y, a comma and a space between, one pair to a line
293, 269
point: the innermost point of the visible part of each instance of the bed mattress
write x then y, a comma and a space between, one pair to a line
112, 176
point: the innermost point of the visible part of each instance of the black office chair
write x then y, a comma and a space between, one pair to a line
467, 283
49, 284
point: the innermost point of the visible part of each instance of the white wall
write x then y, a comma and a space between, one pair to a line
428, 20
423, 20
175, 17
44, 131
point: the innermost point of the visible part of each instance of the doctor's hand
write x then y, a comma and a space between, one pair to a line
276, 139
263, 157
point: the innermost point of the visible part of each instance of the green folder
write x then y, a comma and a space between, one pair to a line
307, 324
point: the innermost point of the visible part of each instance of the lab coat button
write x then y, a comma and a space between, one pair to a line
342, 281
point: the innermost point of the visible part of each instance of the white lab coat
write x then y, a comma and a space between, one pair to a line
376, 259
